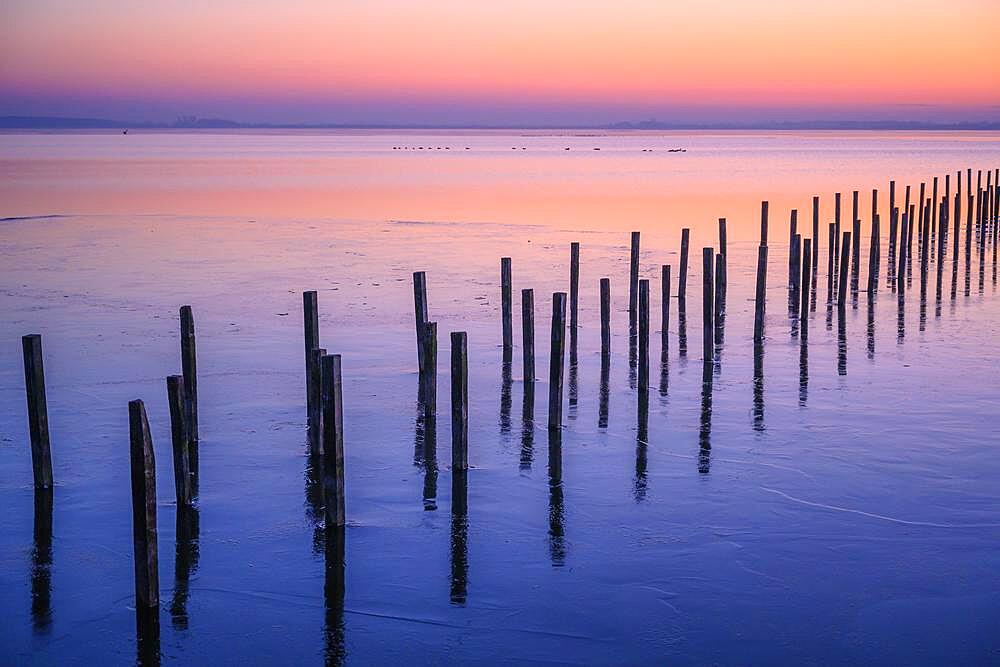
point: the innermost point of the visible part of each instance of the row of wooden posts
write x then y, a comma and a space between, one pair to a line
928, 218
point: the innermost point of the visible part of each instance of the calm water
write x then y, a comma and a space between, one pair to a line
841, 509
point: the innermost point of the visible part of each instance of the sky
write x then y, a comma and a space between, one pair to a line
516, 62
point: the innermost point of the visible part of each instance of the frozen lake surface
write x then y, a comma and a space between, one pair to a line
841, 509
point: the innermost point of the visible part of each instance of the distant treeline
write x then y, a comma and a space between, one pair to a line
193, 122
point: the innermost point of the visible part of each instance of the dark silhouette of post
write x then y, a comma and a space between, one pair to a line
310, 317
721, 285
708, 308
815, 240
682, 279
147, 578
459, 401
428, 377
605, 319
836, 223
179, 440
831, 264
664, 312
506, 305
807, 255
793, 223
643, 335
556, 357
528, 333
633, 279
760, 294
333, 440
763, 223
574, 285
189, 368
315, 412
420, 313
845, 256
38, 412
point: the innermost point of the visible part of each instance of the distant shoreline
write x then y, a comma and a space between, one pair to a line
52, 123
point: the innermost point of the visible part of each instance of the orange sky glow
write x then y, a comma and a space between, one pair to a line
388, 60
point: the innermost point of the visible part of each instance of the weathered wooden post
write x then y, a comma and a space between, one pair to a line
707, 305
179, 440
556, 355
807, 254
763, 223
643, 335
720, 304
873, 258
38, 412
854, 206
459, 401
683, 277
310, 317
836, 222
760, 294
793, 222
815, 241
903, 240
574, 285
664, 311
605, 319
189, 368
333, 440
506, 306
419, 314
315, 408
845, 256
428, 377
147, 577
794, 263
633, 280
528, 333
831, 265
855, 258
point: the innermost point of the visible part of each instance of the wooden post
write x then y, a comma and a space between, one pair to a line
721, 286
836, 222
792, 233
179, 440
873, 257
605, 318
815, 237
506, 305
557, 352
683, 278
855, 254
664, 311
428, 377
189, 368
643, 335
720, 303
831, 265
528, 333
333, 441
845, 256
574, 283
794, 268
147, 578
763, 223
633, 280
459, 401
38, 412
903, 240
310, 317
854, 206
758, 319
807, 254
707, 305
419, 313
315, 408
